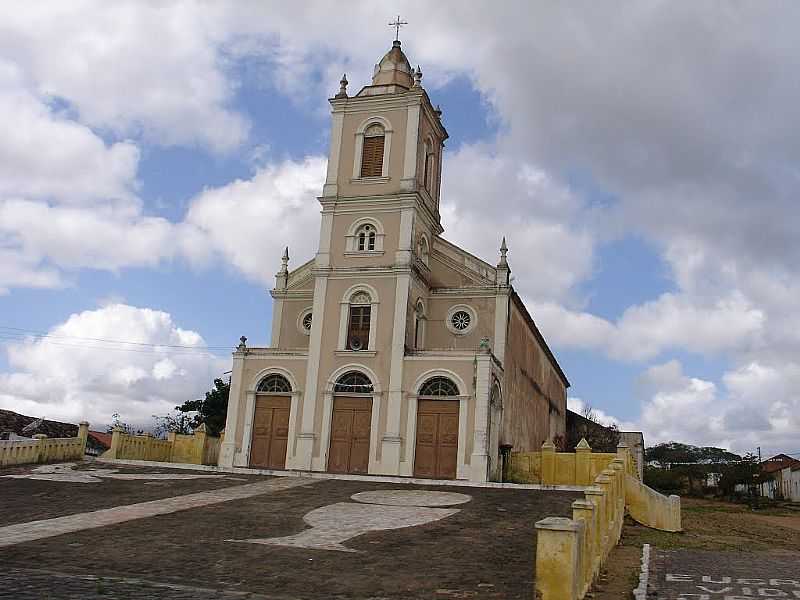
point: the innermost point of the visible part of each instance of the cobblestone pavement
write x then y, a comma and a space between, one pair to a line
25, 499
37, 530
708, 575
484, 549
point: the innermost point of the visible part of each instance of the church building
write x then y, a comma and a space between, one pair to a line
393, 351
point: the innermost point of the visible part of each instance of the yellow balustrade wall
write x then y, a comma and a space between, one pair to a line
197, 448
549, 467
43, 449
570, 552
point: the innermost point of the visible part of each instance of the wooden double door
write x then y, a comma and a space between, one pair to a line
436, 452
350, 433
270, 432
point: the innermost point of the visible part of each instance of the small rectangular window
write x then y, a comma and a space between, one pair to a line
372, 157
358, 328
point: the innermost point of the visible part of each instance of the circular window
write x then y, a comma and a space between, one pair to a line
304, 320
461, 319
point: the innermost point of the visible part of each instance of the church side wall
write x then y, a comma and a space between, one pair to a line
531, 385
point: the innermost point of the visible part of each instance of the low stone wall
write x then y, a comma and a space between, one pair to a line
43, 449
198, 448
549, 467
570, 552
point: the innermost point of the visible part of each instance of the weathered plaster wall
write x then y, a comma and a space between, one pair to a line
532, 389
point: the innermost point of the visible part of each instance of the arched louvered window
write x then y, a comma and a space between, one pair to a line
274, 383
439, 386
353, 382
372, 151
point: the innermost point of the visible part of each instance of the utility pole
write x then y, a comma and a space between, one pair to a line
759, 454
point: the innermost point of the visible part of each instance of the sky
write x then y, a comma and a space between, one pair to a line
640, 157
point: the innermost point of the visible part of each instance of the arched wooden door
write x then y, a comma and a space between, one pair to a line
436, 448
351, 424
270, 437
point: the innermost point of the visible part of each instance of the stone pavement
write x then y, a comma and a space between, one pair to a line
36, 530
124, 538
713, 575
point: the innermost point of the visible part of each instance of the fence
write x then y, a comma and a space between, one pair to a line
198, 448
549, 467
42, 449
570, 552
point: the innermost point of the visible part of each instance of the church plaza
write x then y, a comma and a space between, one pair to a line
99, 530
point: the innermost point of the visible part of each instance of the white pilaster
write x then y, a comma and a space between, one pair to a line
323, 258
228, 448
277, 319
408, 182
243, 458
479, 463
500, 325
331, 187
305, 437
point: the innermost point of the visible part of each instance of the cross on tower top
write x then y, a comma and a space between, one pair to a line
397, 24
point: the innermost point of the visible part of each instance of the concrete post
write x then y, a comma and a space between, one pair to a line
583, 463
598, 497
116, 442
605, 483
558, 557
200, 443
548, 463
83, 435
624, 453
583, 510
41, 443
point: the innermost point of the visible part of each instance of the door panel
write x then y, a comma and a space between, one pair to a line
270, 432
436, 453
350, 433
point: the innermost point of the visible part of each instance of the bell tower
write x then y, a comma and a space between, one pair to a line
388, 139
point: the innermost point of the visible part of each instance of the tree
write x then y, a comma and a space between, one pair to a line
118, 423
692, 463
180, 422
744, 472
602, 438
210, 410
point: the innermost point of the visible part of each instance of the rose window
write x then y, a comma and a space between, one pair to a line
461, 320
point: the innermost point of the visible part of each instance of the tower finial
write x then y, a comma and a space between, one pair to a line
397, 24
417, 77
503, 252
342, 87
285, 260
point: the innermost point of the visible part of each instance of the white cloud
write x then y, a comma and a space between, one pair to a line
133, 68
70, 377
486, 197
248, 222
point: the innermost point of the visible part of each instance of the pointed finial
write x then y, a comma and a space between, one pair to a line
438, 111
342, 87
418, 77
284, 262
503, 251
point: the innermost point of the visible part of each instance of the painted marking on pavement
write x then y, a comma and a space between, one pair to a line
36, 530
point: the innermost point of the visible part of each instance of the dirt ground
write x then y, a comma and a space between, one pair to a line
708, 525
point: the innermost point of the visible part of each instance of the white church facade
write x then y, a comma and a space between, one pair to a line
393, 351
